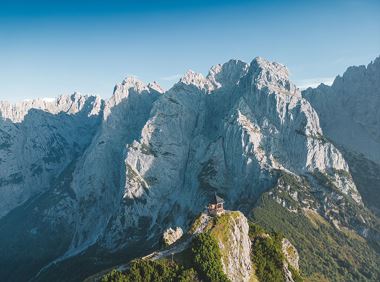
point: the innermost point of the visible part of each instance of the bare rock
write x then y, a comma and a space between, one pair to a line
170, 236
231, 232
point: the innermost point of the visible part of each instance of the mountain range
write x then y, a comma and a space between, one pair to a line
87, 183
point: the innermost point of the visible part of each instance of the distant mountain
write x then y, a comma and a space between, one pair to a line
350, 118
87, 183
38, 140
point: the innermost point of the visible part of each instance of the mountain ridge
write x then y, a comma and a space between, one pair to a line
149, 159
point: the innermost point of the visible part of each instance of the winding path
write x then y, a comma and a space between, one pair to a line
177, 247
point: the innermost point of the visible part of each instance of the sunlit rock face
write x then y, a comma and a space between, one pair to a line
229, 132
146, 160
235, 247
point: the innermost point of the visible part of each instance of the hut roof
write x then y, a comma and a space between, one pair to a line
217, 200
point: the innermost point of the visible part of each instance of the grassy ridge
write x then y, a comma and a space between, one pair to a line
203, 263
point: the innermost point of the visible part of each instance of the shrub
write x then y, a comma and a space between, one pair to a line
114, 276
188, 275
295, 274
142, 270
207, 258
146, 271
268, 258
255, 230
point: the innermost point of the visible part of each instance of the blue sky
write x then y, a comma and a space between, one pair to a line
48, 48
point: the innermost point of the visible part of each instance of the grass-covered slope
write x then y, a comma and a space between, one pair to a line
366, 175
267, 256
326, 253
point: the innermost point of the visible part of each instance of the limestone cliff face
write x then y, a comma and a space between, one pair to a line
228, 132
231, 231
101, 173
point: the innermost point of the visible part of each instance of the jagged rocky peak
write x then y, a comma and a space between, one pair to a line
131, 84
272, 76
70, 104
355, 75
195, 79
220, 75
76, 102
228, 73
155, 86
121, 90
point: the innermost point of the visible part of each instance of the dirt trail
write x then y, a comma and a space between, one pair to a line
177, 247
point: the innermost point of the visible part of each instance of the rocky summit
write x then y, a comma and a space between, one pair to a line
96, 183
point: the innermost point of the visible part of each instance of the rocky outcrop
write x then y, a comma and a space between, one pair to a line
65, 104
290, 253
231, 232
170, 235
291, 259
